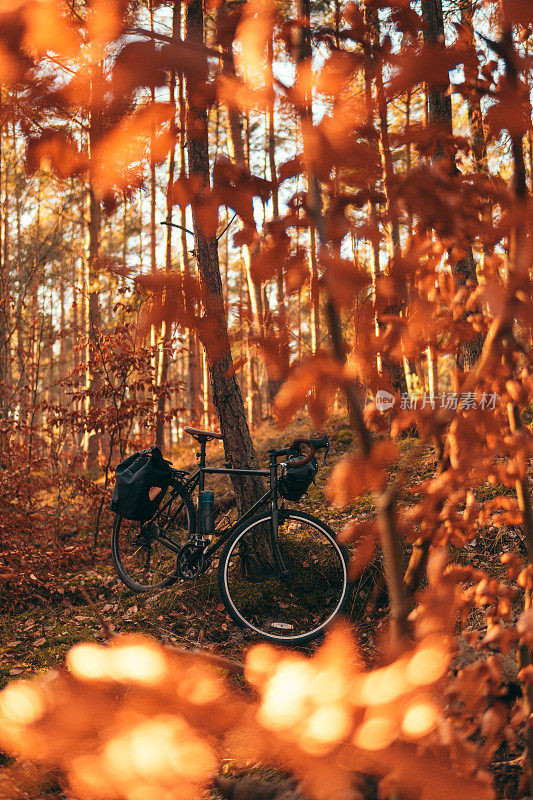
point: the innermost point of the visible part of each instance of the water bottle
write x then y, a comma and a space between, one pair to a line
207, 513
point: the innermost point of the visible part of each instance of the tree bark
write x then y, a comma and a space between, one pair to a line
475, 117
275, 383
4, 307
394, 369
239, 147
164, 341
303, 60
93, 322
440, 116
237, 152
227, 398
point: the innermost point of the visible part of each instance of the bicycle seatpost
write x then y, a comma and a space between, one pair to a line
201, 463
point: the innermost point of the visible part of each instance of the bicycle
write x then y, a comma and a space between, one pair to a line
290, 594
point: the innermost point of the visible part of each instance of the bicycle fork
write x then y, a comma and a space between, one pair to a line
274, 521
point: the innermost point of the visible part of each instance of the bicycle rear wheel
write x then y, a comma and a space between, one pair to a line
293, 608
145, 553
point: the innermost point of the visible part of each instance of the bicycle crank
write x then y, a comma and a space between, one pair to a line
191, 561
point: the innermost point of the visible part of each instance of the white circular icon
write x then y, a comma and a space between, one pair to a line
384, 400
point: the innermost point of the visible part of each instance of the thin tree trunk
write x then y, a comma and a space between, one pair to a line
398, 375
164, 342
274, 384
304, 56
433, 371
93, 323
194, 356
93, 307
4, 301
62, 331
475, 117
408, 97
314, 292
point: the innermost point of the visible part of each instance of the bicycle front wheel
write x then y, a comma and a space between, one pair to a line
292, 605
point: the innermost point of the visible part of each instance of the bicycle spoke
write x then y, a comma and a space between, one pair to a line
145, 554
297, 604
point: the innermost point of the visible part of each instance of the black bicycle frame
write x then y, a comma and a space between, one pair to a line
198, 479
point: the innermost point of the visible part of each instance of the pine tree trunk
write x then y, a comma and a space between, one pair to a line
93, 307
475, 116
164, 342
314, 292
62, 331
239, 148
303, 58
93, 323
275, 383
4, 307
398, 375
194, 356
439, 104
227, 398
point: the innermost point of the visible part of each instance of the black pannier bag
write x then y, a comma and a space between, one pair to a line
293, 483
134, 477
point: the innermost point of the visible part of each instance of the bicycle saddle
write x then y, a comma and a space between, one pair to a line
199, 434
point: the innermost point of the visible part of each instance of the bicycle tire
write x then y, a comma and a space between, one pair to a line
266, 592
124, 563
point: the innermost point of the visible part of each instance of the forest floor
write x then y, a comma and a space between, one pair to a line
37, 634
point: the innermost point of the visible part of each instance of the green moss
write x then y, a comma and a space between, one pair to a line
489, 491
344, 436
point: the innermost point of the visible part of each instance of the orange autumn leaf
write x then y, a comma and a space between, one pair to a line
118, 159
105, 20
252, 36
512, 111
518, 11
344, 279
56, 150
353, 476
317, 373
48, 29
236, 366
356, 531
362, 556
10, 69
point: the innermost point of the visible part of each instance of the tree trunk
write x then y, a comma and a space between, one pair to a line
239, 149
238, 446
164, 341
475, 117
275, 383
62, 331
303, 57
4, 310
92, 443
154, 333
440, 116
93, 323
394, 369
